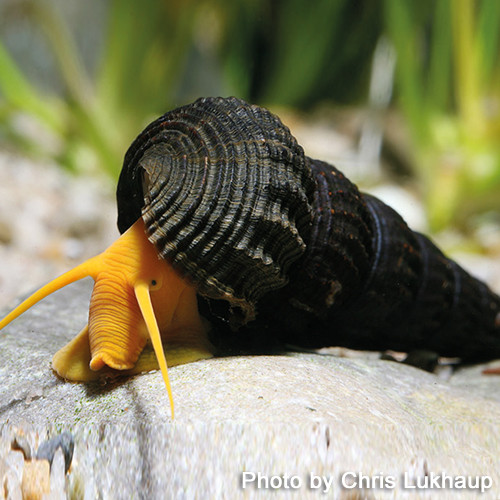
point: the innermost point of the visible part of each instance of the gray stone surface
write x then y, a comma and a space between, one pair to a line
296, 414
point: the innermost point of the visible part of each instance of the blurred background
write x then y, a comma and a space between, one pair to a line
403, 96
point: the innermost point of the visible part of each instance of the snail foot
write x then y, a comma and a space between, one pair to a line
175, 355
72, 361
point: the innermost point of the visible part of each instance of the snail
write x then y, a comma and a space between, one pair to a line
223, 218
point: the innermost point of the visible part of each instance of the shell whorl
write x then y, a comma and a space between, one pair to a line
225, 193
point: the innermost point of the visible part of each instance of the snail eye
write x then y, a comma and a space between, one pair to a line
154, 284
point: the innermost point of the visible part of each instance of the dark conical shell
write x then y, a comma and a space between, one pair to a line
225, 193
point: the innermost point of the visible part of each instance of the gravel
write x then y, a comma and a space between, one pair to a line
50, 221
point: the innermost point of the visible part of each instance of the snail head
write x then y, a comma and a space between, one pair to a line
137, 297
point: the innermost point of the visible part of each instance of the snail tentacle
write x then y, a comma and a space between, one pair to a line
83, 270
141, 290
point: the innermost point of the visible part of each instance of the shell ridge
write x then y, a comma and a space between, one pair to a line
228, 197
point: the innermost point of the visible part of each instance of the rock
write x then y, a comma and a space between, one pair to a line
36, 479
57, 476
22, 444
297, 419
11, 473
63, 442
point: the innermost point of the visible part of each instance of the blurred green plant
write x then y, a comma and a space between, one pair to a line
96, 118
158, 53
155, 55
294, 53
448, 85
